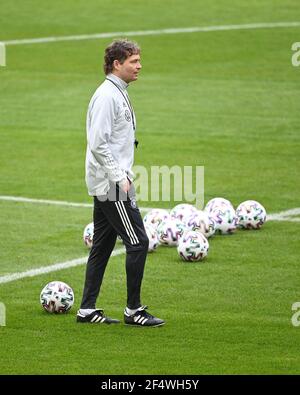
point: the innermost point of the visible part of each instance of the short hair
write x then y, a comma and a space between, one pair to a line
119, 50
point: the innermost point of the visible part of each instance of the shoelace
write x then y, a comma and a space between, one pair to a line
101, 312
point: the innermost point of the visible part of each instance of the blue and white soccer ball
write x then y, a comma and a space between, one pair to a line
193, 246
170, 231
201, 222
183, 211
156, 216
152, 236
88, 235
57, 297
251, 215
225, 219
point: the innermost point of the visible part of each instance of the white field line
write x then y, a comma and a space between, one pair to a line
43, 201
54, 202
263, 25
287, 215
51, 268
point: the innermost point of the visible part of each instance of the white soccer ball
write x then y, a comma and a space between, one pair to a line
170, 231
201, 222
57, 297
152, 236
155, 216
217, 202
251, 215
183, 211
88, 234
225, 219
193, 246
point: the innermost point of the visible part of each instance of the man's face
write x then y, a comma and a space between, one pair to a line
128, 70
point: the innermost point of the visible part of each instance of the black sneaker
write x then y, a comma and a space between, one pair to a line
96, 317
142, 318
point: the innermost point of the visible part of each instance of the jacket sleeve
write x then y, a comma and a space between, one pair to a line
101, 119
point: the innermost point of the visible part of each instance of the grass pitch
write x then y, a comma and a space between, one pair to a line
226, 100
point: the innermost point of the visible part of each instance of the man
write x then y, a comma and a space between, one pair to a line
111, 128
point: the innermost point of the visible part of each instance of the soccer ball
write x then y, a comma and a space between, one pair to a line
225, 219
170, 231
152, 236
155, 216
57, 297
201, 222
88, 234
193, 246
251, 215
217, 202
183, 211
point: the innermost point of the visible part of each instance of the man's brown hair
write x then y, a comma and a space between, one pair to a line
119, 50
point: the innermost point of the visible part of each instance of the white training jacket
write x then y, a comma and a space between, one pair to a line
110, 130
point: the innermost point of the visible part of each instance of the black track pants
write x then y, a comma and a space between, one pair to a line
112, 217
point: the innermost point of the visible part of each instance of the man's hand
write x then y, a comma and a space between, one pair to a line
125, 185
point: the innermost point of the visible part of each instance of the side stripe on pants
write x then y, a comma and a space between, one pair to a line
126, 222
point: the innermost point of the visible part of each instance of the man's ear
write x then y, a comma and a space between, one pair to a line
116, 64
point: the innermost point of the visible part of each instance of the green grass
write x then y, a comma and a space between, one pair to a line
230, 314
228, 101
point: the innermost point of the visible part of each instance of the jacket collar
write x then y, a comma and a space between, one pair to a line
121, 84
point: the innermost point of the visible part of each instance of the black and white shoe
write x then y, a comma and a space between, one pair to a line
142, 318
96, 317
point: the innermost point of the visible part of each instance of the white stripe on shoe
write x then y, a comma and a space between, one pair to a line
126, 223
140, 320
